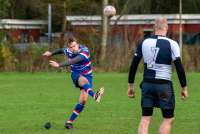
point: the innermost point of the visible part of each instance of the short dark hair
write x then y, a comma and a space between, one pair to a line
70, 40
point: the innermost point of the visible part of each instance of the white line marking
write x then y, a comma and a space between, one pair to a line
6, 85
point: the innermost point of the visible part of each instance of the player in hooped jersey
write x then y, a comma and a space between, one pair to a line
157, 90
81, 74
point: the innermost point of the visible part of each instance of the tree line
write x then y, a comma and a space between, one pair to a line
118, 60
37, 9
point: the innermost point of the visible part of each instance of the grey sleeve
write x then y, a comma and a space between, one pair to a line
59, 51
71, 62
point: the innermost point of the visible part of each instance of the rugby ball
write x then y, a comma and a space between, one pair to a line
109, 11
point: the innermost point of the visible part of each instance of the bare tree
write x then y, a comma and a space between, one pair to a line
61, 43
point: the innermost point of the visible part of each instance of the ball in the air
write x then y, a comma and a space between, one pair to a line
109, 11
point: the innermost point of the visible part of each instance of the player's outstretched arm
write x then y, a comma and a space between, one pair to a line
59, 51
67, 63
131, 91
53, 63
47, 54
184, 94
71, 62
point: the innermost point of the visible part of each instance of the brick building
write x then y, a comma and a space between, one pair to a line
25, 31
138, 27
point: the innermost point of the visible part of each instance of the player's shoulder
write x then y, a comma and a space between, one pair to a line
83, 48
140, 43
168, 39
65, 50
173, 43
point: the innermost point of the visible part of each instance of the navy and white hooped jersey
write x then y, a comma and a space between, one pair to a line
84, 66
158, 52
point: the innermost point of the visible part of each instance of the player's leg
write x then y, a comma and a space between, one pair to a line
82, 100
83, 97
147, 104
168, 118
145, 120
166, 101
85, 90
83, 82
78, 109
86, 83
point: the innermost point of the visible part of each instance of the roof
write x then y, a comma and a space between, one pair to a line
22, 24
135, 19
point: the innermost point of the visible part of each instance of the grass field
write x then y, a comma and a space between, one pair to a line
28, 101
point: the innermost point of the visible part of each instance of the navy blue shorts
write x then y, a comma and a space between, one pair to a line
75, 77
157, 95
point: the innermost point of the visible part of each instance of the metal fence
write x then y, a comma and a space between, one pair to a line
23, 46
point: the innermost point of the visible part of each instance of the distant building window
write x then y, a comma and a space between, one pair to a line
188, 38
147, 32
24, 36
118, 40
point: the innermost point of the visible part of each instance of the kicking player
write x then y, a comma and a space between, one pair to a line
81, 74
157, 90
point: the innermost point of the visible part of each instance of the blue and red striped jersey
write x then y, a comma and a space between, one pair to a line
84, 66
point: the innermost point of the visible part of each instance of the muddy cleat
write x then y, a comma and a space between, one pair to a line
98, 94
69, 126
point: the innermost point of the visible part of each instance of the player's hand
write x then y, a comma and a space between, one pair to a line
131, 91
53, 63
184, 94
47, 54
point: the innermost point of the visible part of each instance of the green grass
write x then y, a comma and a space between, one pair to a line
28, 101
